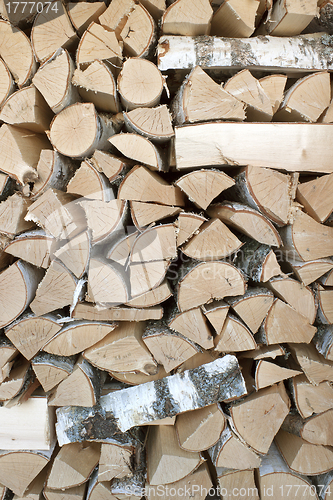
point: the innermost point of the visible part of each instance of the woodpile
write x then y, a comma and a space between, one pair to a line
166, 250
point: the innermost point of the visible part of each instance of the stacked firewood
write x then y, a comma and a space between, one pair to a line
166, 250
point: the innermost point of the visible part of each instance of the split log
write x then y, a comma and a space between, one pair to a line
298, 296
213, 241
154, 244
140, 84
78, 130
50, 370
327, 279
141, 184
140, 149
316, 197
252, 307
20, 151
313, 364
55, 291
29, 333
52, 25
106, 285
137, 378
211, 182
75, 254
274, 86
308, 272
248, 90
220, 280
6, 186
53, 80
115, 461
323, 341
267, 374
29, 425
146, 276
211, 383
244, 480
253, 185
27, 108
82, 14
303, 239
122, 350
199, 359
81, 388
200, 98
12, 213
104, 219
19, 378
112, 166
57, 213
303, 457
187, 224
200, 429
76, 493
284, 324
324, 301
35, 488
231, 452
153, 123
73, 465
18, 285
166, 461
235, 19
96, 84
87, 182
192, 324
77, 336
138, 33
8, 351
306, 100
288, 19
195, 146
153, 297
314, 430
216, 313
144, 214
182, 19
19, 468
97, 490
169, 348
17, 53
246, 220
267, 422
274, 476
311, 398
121, 249
7, 83
196, 484
258, 262
234, 336
116, 14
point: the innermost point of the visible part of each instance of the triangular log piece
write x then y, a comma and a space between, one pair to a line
91, 312
89, 183
235, 18
216, 313
200, 429
155, 244
289, 19
98, 42
35, 488
138, 148
153, 297
316, 197
76, 493
267, 422
310, 398
234, 337
138, 33
190, 20
231, 452
274, 85
308, 272
192, 324
316, 368
75, 254
50, 370
258, 262
115, 461
268, 373
153, 123
188, 224
104, 218
146, 276
324, 300
12, 215
120, 250
7, 83
106, 284
248, 221
252, 307
270, 351
83, 13
122, 350
315, 430
232, 480
33, 247
144, 214
137, 378
112, 166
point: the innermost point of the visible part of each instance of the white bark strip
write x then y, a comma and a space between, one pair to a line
217, 381
297, 54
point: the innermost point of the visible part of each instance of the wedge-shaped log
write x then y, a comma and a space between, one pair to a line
187, 224
154, 244
146, 276
310, 271
89, 183
216, 313
106, 284
112, 166
213, 182
55, 291
75, 254
246, 220
33, 247
153, 123
244, 479
275, 475
195, 146
289, 18
310, 398
274, 85
229, 451
144, 214
7, 83
316, 368
76, 493
199, 283
252, 307
18, 378
53, 80
12, 213
268, 373
30, 333
235, 18
192, 324
73, 465
258, 262
153, 297
303, 457
234, 336
140, 184
115, 461
200, 98
140, 149
137, 378
216, 381
83, 13
267, 422
324, 300
323, 340
182, 18
18, 285
122, 350
103, 218
316, 197
138, 33
50, 370
200, 429
97, 42
316, 429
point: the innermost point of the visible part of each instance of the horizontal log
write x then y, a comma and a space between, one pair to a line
270, 53
298, 147
121, 410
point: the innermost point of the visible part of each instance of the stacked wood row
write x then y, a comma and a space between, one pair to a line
166, 250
